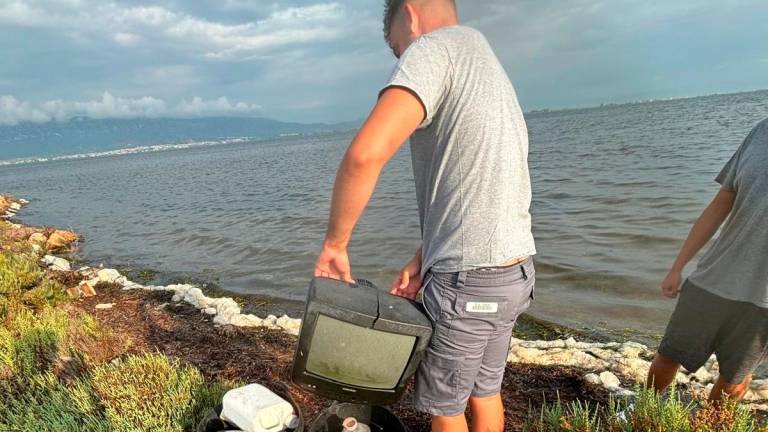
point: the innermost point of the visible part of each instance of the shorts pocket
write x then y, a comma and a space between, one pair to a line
481, 307
431, 300
439, 378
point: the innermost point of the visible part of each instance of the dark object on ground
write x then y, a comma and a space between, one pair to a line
379, 419
67, 278
359, 344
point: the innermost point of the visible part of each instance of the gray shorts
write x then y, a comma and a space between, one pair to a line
473, 314
704, 323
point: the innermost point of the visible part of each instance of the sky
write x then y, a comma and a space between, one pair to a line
325, 60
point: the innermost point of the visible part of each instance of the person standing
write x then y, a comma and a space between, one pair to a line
723, 305
469, 149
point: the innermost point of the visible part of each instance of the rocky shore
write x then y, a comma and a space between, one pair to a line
615, 368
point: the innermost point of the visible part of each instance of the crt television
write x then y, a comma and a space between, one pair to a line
357, 343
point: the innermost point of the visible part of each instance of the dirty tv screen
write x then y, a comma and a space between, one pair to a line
357, 343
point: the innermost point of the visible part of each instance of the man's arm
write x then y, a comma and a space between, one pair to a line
394, 118
703, 230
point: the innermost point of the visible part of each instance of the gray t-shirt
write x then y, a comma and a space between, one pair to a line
470, 156
736, 265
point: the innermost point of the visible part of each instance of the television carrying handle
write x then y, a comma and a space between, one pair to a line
363, 283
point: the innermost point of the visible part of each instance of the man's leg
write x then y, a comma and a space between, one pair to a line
662, 372
450, 424
487, 413
723, 389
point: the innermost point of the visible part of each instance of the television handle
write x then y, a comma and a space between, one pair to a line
363, 283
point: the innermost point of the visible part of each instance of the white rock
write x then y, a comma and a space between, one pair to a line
56, 263
682, 378
210, 311
543, 344
759, 389
104, 306
246, 321
270, 321
176, 298
592, 379
23, 201
632, 349
129, 285
702, 375
109, 275
622, 392
218, 319
635, 368
609, 380
15, 206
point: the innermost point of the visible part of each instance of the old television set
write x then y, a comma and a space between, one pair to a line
357, 343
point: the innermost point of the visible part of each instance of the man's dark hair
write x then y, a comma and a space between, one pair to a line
391, 7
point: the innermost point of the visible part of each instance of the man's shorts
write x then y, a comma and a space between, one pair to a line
473, 314
704, 323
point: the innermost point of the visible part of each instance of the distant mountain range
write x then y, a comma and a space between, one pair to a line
81, 135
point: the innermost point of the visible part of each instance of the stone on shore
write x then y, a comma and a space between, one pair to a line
87, 289
593, 379
110, 275
38, 238
56, 263
61, 239
610, 381
103, 306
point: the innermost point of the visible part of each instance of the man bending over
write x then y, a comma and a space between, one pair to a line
469, 150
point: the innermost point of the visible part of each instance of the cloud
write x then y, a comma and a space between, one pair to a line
325, 60
126, 39
283, 27
14, 111
198, 107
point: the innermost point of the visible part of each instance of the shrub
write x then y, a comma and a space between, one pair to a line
648, 412
30, 343
48, 293
18, 272
46, 404
147, 393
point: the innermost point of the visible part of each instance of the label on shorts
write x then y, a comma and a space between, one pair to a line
482, 307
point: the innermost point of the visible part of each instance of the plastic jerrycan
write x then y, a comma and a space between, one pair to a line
255, 408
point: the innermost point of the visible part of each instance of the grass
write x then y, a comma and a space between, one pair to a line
648, 412
59, 373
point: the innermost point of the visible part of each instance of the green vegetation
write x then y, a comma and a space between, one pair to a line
55, 376
647, 412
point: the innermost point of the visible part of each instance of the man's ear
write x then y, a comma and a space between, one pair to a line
412, 18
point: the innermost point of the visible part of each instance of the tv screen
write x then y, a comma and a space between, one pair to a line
358, 356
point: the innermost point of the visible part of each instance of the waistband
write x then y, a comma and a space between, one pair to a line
486, 277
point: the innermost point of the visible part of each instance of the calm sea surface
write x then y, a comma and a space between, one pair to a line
616, 190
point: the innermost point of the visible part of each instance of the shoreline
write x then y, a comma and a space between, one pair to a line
613, 367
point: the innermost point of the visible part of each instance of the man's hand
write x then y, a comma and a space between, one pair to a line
408, 281
333, 263
670, 286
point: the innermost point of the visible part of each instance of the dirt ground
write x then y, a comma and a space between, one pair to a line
142, 321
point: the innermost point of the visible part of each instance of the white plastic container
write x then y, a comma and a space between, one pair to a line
255, 408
